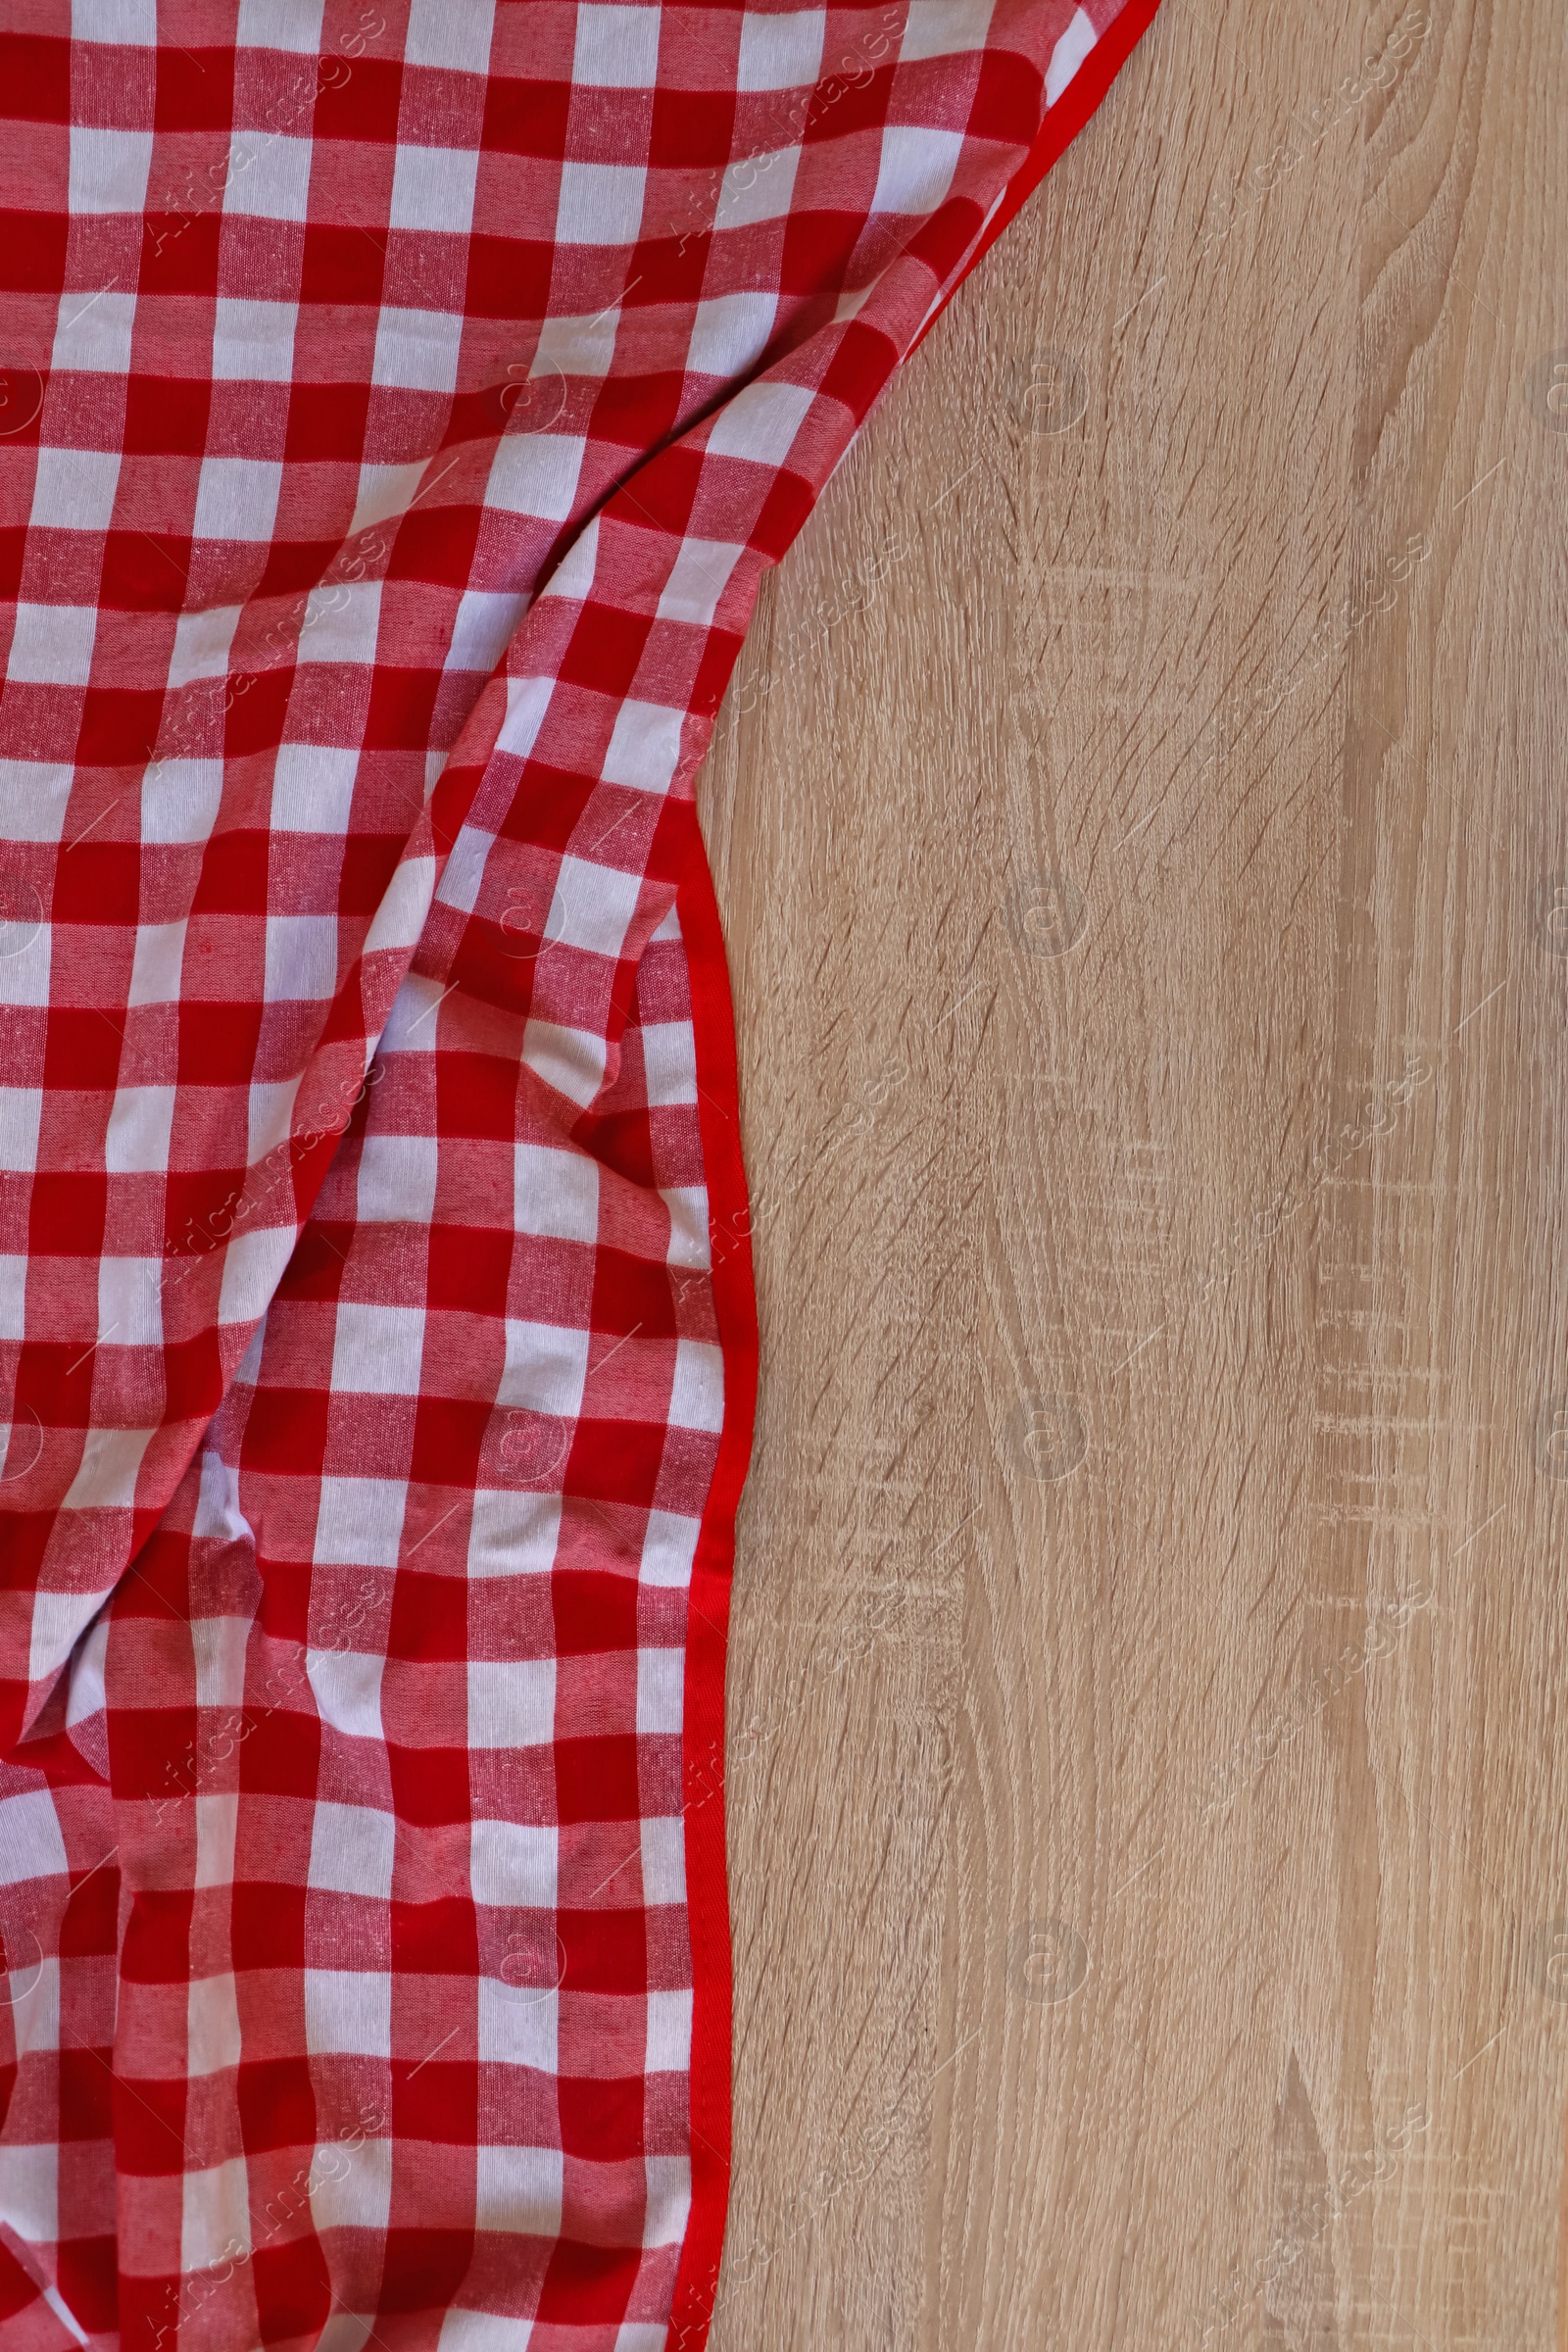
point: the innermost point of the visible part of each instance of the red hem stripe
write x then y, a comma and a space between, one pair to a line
706, 1879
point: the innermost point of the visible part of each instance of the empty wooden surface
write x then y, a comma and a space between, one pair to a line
1140, 824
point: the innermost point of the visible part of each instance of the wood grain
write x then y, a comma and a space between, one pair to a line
1139, 826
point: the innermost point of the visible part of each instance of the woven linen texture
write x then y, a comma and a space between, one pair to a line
401, 405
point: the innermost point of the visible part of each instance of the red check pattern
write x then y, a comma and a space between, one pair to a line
401, 405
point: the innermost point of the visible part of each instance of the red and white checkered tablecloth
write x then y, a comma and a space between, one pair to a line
401, 402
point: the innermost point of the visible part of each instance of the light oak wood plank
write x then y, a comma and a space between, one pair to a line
1140, 827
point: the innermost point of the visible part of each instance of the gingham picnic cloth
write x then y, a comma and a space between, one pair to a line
400, 405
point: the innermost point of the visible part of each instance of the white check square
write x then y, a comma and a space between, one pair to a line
302, 959
202, 642
216, 2215
669, 2199
511, 1702
359, 1522
278, 24
341, 624
385, 491
756, 187
644, 748
352, 1850
944, 28
520, 2188
73, 489
51, 645
670, 1547
697, 1393
417, 351
26, 942
21, 1115
414, 1024
129, 1302
13, 1298
253, 342
600, 204
253, 1268
574, 575
439, 34
760, 422
483, 628
212, 2025
730, 333
571, 1061
348, 2011
142, 1121
432, 187
351, 2187
536, 473
618, 47
670, 1063
397, 1179
126, 23
30, 2190
180, 799
547, 1364
916, 168
268, 1114
109, 170
664, 1844
269, 177
593, 907
555, 1193
217, 1822
576, 346
36, 2008
1068, 55
378, 1351
781, 50
512, 1864
156, 963
312, 788
93, 333
697, 581
519, 2023
689, 1239
33, 799
660, 1689
218, 1645
31, 1844
236, 498
513, 1532
669, 2032
347, 1684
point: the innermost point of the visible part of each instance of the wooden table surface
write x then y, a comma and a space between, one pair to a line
1140, 824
